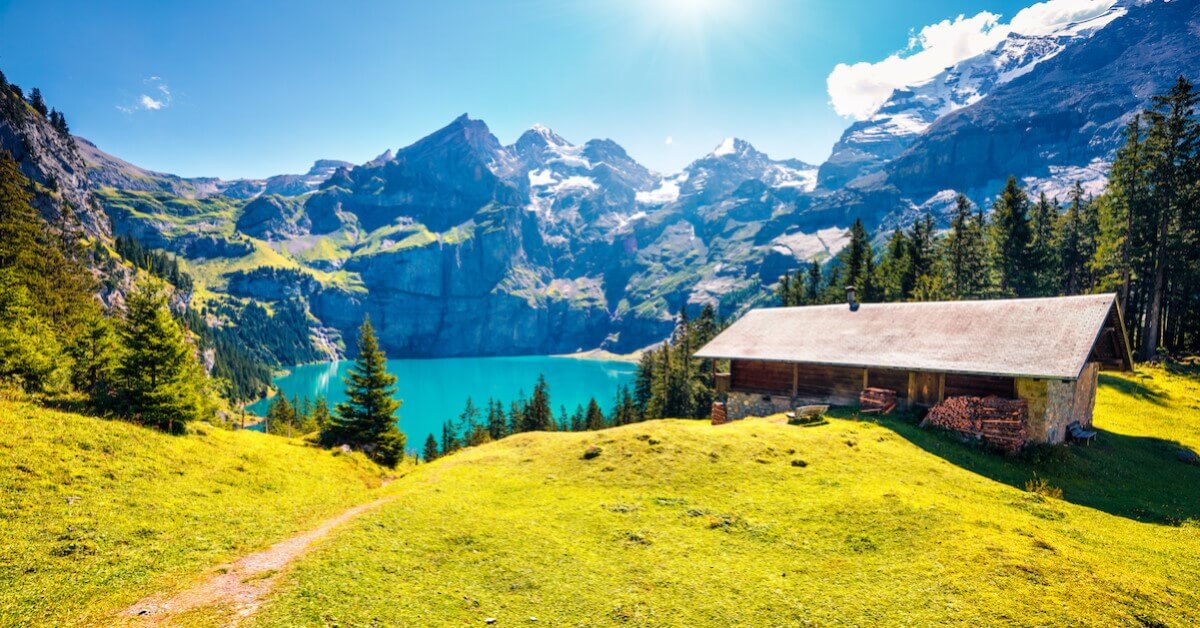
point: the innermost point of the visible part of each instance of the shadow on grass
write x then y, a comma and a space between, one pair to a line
1132, 388
1135, 477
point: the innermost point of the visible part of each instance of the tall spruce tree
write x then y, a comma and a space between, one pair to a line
966, 252
321, 416
539, 416
1043, 256
1074, 247
594, 419
367, 420
857, 259
921, 255
1173, 162
159, 379
430, 452
1011, 235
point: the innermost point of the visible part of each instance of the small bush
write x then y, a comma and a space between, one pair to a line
1039, 486
591, 452
799, 463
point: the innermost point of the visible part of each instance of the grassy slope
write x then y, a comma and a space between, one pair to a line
96, 514
682, 523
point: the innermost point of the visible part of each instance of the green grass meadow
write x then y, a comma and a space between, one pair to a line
857, 521
756, 523
96, 514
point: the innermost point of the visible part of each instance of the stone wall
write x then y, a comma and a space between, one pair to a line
740, 405
1055, 404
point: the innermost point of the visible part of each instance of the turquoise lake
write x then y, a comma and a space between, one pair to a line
435, 390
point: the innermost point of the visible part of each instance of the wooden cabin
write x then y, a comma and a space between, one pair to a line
1046, 351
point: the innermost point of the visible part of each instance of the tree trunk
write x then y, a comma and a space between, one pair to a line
1150, 339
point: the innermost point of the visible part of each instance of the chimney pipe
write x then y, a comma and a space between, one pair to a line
850, 298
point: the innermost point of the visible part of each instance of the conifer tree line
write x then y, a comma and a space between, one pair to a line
1139, 239
476, 425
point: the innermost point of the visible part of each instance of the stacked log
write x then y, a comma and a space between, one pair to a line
877, 400
999, 423
718, 413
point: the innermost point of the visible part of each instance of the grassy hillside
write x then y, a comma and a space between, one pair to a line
96, 514
856, 521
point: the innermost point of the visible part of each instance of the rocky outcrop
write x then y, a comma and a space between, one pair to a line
273, 217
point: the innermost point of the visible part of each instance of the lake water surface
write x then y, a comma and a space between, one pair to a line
433, 391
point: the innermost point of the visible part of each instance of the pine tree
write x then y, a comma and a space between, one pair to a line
966, 252
643, 383
539, 417
29, 348
812, 286
578, 424
1074, 249
160, 381
497, 427
594, 420
38, 102
281, 415
431, 449
367, 419
1173, 161
321, 417
892, 269
94, 355
1042, 259
857, 257
450, 441
59, 286
920, 255
1011, 234
516, 414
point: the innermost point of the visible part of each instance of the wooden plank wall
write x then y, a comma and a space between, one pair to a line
807, 380
889, 379
757, 376
980, 386
827, 381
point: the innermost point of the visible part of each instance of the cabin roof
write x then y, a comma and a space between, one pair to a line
1046, 337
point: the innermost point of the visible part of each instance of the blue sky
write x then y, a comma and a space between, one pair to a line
249, 89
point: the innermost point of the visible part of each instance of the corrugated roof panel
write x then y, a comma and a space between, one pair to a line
1050, 337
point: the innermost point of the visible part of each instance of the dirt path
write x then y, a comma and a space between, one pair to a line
244, 583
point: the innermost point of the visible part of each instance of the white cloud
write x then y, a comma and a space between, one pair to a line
1045, 17
857, 90
670, 140
146, 102
151, 104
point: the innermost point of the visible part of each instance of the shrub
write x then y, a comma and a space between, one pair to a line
1039, 486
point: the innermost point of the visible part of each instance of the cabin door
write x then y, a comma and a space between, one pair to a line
924, 389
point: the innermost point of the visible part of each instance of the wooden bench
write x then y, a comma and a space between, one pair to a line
807, 414
1076, 433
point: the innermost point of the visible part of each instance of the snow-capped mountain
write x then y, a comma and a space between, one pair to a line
580, 187
735, 161
868, 144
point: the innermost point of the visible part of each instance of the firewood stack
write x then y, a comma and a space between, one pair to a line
999, 423
877, 400
718, 413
